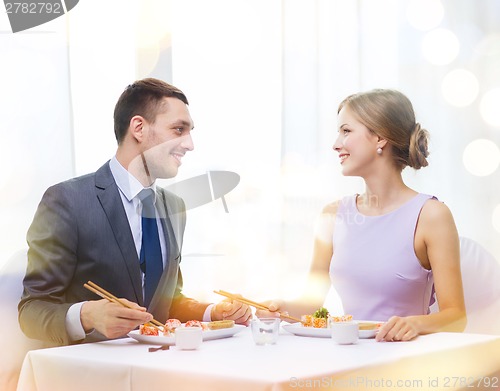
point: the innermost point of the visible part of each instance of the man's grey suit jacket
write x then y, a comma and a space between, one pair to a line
80, 232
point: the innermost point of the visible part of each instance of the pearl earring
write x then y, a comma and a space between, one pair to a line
379, 151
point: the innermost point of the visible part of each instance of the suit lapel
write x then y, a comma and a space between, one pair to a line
109, 197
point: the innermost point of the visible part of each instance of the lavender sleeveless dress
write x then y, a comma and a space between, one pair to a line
374, 267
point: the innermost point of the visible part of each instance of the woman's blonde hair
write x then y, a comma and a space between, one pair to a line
389, 114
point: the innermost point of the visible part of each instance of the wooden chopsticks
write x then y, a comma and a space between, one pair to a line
252, 303
106, 295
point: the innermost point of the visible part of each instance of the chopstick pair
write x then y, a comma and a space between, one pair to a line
106, 295
252, 303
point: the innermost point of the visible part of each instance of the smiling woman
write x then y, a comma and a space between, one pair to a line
390, 247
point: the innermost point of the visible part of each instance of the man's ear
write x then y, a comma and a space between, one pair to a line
136, 127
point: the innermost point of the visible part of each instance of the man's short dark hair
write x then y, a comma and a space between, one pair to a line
143, 97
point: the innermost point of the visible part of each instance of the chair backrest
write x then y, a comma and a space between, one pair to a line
13, 343
481, 282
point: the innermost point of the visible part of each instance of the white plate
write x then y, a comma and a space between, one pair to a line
207, 335
368, 333
298, 329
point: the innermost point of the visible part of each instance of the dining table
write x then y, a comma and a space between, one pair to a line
439, 361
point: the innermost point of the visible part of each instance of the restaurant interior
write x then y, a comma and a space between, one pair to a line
264, 79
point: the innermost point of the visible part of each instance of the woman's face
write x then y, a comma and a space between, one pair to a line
355, 144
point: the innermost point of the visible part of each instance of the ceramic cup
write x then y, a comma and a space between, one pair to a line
188, 338
265, 331
345, 333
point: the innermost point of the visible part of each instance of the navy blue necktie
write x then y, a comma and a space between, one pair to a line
150, 260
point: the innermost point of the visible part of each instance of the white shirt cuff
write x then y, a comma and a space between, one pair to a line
73, 322
206, 315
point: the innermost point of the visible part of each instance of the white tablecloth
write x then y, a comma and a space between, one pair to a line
438, 361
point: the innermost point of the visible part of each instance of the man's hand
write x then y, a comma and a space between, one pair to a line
232, 309
111, 319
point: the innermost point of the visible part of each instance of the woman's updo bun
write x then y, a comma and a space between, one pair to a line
418, 151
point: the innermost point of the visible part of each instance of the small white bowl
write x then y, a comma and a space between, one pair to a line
188, 338
345, 333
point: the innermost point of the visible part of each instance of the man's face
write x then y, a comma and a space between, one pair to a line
167, 140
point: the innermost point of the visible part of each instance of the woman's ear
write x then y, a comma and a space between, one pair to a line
381, 143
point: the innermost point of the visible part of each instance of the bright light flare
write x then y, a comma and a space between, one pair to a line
440, 46
481, 157
490, 107
460, 87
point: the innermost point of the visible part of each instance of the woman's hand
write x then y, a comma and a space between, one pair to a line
275, 309
232, 309
398, 329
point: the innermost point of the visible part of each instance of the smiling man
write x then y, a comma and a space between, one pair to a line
116, 228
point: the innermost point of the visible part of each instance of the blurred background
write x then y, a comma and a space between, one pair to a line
264, 79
